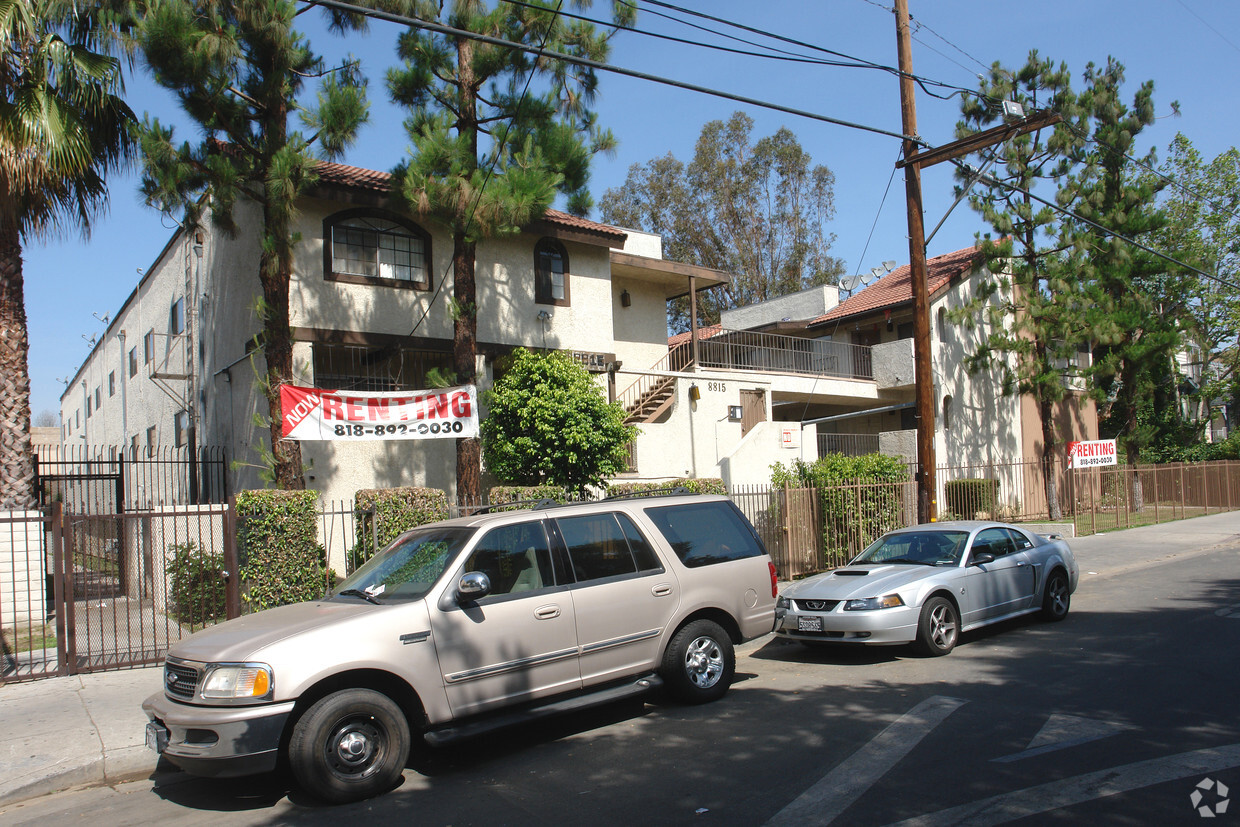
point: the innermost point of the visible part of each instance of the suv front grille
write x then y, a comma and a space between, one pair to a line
816, 605
180, 679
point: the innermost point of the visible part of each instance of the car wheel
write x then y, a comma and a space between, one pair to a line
938, 629
1056, 597
350, 745
699, 663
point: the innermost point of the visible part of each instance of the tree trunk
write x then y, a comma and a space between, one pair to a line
16, 460
464, 362
1050, 443
275, 270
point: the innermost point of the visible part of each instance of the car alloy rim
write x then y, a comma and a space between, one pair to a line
942, 627
1059, 595
704, 662
354, 748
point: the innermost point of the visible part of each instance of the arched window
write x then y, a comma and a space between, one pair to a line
551, 273
942, 324
947, 413
366, 246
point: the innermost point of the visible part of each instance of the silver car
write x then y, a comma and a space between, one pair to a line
926, 584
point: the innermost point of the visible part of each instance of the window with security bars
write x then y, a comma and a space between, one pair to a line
377, 369
375, 249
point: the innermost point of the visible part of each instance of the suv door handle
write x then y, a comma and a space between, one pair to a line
547, 612
661, 590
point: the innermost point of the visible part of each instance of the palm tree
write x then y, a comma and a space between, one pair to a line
63, 127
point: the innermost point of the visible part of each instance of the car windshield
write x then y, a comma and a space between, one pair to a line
927, 548
406, 569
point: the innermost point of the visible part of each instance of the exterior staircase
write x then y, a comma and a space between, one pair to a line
650, 397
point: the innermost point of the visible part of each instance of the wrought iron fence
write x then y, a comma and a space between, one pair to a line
111, 479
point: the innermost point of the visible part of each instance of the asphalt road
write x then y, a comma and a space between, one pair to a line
1125, 713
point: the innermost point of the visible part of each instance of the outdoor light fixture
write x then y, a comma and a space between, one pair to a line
735, 413
625, 299
544, 315
694, 393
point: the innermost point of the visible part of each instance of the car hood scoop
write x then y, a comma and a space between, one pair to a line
851, 572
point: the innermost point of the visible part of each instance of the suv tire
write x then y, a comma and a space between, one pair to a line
350, 745
699, 663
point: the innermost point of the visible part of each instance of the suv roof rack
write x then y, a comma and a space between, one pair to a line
669, 491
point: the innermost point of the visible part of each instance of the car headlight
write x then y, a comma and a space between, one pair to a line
782, 602
889, 601
237, 683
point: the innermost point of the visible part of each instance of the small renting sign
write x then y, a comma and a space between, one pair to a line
313, 414
1092, 454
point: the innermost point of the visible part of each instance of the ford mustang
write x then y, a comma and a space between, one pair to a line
927, 584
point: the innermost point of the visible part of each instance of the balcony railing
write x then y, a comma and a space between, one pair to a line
850, 445
772, 353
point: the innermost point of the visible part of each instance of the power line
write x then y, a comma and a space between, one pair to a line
604, 67
779, 54
990, 180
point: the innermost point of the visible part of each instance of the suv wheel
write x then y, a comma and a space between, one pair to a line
350, 745
699, 663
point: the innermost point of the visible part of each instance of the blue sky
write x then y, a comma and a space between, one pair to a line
1190, 48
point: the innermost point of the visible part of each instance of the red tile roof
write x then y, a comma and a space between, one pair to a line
897, 288
703, 333
343, 175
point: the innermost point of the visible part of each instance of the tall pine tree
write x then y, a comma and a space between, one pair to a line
238, 68
1132, 306
497, 133
1030, 305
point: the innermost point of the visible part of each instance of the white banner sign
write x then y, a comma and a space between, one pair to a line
313, 414
1092, 454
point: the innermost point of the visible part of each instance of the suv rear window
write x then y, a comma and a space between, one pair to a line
703, 534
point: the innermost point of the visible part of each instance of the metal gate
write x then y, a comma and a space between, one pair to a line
123, 587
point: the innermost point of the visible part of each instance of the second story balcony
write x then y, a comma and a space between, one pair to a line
746, 350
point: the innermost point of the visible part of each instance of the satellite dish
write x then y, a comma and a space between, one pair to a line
850, 283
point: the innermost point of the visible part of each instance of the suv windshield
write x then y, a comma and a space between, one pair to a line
929, 548
407, 569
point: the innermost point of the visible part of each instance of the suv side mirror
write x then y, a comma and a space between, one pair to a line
983, 557
473, 585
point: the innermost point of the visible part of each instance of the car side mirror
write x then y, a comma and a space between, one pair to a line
983, 557
473, 585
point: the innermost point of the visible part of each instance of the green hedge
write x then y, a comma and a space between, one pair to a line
966, 498
197, 588
384, 514
694, 485
279, 554
859, 500
501, 494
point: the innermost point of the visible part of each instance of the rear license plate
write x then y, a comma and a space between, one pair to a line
156, 737
809, 624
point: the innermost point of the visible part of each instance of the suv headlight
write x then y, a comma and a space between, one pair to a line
889, 601
782, 602
224, 683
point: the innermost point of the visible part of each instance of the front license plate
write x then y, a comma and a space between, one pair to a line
809, 624
156, 737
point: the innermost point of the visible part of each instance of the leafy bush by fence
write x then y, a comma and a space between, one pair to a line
968, 497
709, 485
197, 586
384, 514
280, 558
857, 501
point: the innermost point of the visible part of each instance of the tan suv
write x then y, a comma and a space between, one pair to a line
466, 625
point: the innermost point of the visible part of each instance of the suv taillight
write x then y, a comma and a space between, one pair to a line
774, 580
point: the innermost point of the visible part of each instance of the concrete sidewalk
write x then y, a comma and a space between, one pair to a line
60, 733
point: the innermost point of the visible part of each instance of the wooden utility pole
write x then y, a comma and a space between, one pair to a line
927, 509
912, 162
